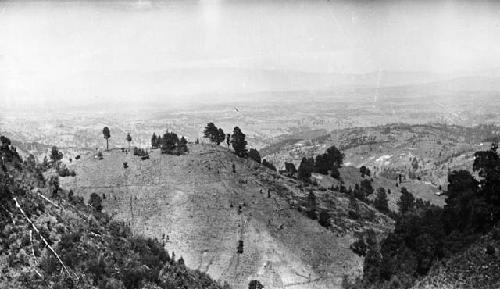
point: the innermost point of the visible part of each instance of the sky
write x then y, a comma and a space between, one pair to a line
55, 54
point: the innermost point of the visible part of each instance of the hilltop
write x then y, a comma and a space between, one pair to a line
236, 225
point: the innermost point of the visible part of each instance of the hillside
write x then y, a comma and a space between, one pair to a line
351, 177
50, 238
474, 268
193, 203
420, 153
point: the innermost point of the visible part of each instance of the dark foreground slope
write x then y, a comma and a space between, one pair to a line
478, 267
236, 225
50, 239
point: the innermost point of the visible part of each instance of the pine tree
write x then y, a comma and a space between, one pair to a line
182, 147
55, 154
311, 205
95, 202
254, 155
214, 134
305, 170
129, 139
220, 137
406, 202
107, 135
154, 141
381, 203
239, 143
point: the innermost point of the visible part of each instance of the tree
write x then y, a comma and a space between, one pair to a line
254, 155
107, 135
331, 161
371, 266
95, 202
182, 145
305, 170
311, 205
53, 184
336, 158
366, 187
324, 219
362, 170
268, 165
406, 202
239, 143
255, 284
381, 203
213, 133
221, 136
55, 154
154, 141
322, 164
129, 139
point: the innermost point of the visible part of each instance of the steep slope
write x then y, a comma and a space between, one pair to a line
202, 209
51, 239
477, 267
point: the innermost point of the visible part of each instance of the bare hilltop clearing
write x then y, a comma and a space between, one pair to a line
229, 217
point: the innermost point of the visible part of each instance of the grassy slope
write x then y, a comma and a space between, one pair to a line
189, 199
80, 238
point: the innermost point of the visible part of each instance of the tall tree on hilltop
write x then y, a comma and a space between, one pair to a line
154, 141
129, 139
239, 143
221, 136
213, 133
107, 135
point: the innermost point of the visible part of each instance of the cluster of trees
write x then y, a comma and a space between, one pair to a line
311, 210
237, 140
141, 152
62, 170
327, 163
364, 171
214, 134
425, 234
170, 143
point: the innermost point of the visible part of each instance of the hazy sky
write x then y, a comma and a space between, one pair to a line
80, 52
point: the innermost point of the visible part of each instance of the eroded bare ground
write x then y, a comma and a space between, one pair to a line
192, 203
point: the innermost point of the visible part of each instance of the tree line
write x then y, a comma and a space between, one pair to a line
326, 163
